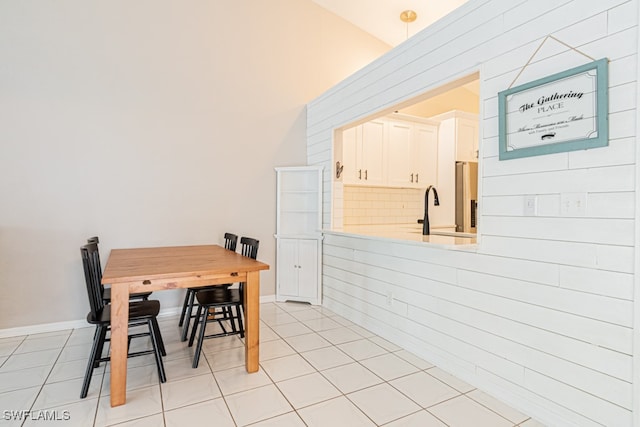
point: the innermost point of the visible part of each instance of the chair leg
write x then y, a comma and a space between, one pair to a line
155, 341
101, 343
96, 353
239, 311
229, 314
184, 307
156, 328
203, 327
187, 319
195, 324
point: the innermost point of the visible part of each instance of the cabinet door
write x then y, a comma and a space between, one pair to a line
425, 155
466, 140
400, 173
351, 154
372, 165
308, 268
287, 267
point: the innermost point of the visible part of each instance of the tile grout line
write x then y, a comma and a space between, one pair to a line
369, 339
222, 395
50, 371
327, 379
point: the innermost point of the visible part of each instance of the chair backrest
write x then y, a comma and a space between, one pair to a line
96, 240
230, 241
92, 276
249, 247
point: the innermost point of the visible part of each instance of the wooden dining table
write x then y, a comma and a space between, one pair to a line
161, 268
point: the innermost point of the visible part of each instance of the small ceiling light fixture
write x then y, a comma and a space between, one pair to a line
407, 17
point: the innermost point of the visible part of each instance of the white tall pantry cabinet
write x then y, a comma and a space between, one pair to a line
298, 234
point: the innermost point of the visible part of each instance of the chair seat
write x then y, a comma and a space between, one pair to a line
106, 295
218, 296
206, 288
140, 310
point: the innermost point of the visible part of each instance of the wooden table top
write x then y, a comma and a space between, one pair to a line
127, 265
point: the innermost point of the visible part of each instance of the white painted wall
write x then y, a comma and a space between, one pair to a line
150, 123
541, 313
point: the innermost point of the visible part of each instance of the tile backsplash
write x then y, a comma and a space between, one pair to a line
381, 205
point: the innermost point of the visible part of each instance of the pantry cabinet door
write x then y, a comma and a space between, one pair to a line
308, 268
287, 267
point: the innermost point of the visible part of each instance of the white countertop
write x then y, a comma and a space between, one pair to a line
407, 232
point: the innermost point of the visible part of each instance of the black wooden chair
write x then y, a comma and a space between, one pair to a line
140, 313
106, 292
230, 243
225, 298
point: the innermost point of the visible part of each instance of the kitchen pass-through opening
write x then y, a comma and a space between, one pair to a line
384, 164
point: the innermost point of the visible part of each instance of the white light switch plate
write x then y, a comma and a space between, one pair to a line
573, 204
530, 205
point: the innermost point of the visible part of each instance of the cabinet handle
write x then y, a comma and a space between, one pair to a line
411, 177
417, 178
366, 173
359, 173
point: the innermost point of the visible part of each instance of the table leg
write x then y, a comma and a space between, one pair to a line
119, 333
252, 321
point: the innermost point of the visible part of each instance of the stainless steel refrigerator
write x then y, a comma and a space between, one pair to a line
466, 196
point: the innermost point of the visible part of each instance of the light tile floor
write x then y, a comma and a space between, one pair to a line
317, 369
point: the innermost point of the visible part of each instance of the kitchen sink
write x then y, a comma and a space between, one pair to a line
447, 233
453, 233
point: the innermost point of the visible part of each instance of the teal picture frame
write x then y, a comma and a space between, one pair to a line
549, 115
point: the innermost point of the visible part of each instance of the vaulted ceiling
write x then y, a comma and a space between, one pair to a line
381, 18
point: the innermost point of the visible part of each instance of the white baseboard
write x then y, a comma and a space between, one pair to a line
42, 328
267, 298
82, 323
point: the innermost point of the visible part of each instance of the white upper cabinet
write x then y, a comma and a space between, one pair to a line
391, 152
363, 153
426, 154
467, 140
371, 169
462, 130
412, 154
351, 153
400, 153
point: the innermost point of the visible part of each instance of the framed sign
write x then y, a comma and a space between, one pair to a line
563, 112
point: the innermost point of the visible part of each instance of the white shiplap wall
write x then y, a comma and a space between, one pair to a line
541, 313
